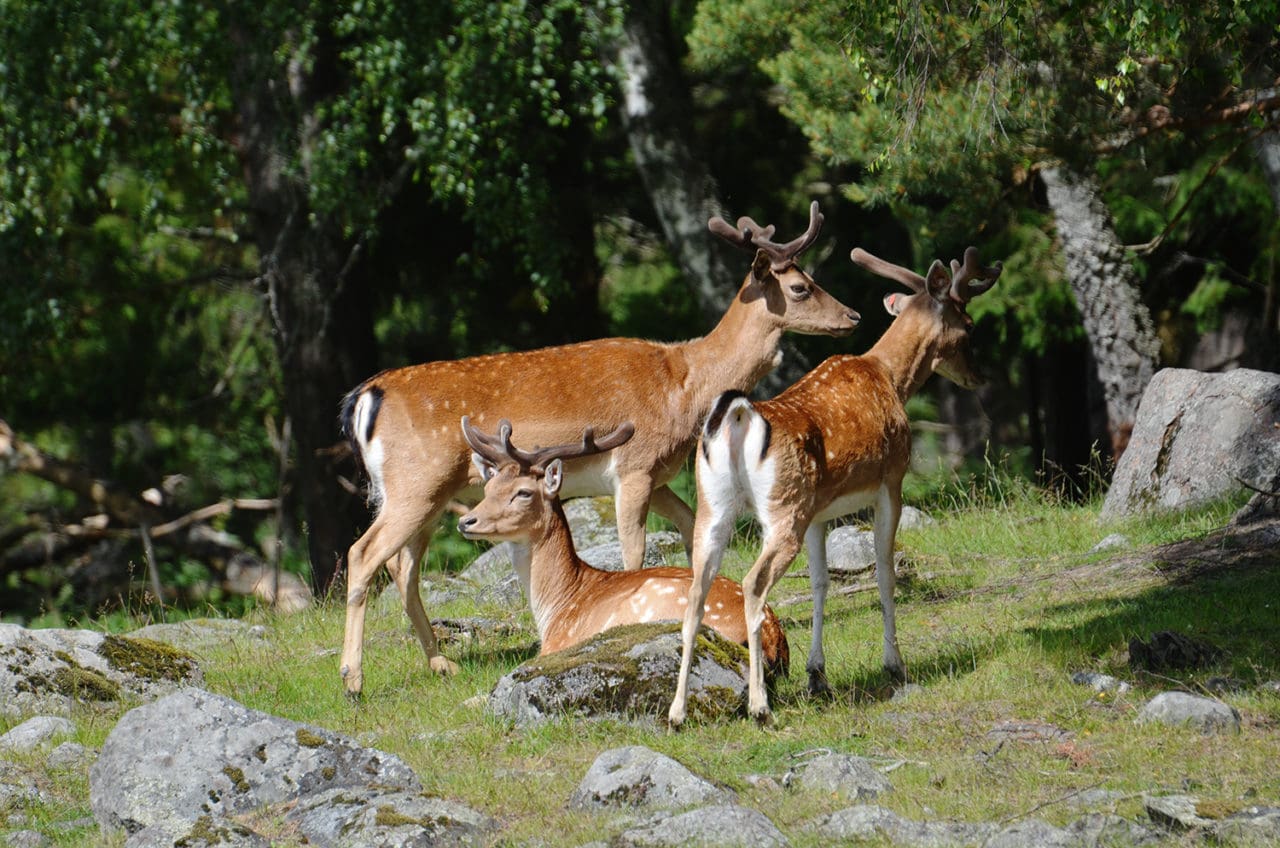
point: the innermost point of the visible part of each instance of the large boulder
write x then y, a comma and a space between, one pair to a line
52, 672
625, 673
638, 777
1197, 438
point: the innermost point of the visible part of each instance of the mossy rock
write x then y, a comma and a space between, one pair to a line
626, 673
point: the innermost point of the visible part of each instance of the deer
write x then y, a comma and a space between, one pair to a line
402, 423
835, 442
571, 600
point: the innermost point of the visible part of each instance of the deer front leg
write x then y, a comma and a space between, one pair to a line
631, 503
710, 540
378, 544
671, 507
888, 510
815, 543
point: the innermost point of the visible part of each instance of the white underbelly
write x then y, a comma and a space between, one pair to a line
848, 503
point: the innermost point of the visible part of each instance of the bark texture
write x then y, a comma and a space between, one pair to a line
1117, 322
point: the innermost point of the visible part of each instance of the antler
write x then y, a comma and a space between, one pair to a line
883, 268
749, 234
971, 278
498, 449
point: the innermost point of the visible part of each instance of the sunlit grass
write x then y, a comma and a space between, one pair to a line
999, 602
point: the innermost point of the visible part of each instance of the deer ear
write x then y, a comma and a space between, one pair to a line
762, 266
553, 477
938, 281
484, 466
894, 303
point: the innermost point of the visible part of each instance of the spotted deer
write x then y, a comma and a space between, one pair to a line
835, 442
571, 600
403, 423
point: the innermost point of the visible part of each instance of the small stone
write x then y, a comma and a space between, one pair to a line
851, 777
27, 839
37, 732
1174, 811
1205, 714
1100, 682
1115, 540
68, 755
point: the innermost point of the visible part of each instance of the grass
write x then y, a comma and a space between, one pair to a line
1001, 601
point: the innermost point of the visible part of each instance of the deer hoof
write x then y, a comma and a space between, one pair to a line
443, 665
818, 685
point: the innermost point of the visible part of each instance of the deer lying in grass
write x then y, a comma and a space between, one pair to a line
835, 442
571, 600
403, 424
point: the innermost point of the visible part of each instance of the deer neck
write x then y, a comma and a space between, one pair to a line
906, 351
555, 570
741, 349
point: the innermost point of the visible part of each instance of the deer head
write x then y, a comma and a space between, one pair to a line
936, 311
522, 487
797, 302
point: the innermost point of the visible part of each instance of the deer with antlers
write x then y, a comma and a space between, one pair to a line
835, 442
571, 600
402, 423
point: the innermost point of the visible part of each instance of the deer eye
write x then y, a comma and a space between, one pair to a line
799, 292
524, 494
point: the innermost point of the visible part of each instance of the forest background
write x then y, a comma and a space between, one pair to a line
215, 220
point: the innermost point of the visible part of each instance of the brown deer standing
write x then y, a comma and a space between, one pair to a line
403, 423
835, 442
571, 600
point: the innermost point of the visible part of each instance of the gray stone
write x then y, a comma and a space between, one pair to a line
868, 821
1171, 650
1111, 542
1251, 826
17, 788
51, 672
36, 732
1032, 833
1196, 435
660, 548
635, 776
913, 519
845, 775
625, 673
907, 690
1205, 714
204, 832
365, 816
722, 826
193, 754
1108, 829
1174, 811
27, 839
67, 756
197, 635
592, 521
1100, 682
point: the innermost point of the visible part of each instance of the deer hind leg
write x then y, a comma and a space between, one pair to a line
888, 509
404, 568
776, 555
671, 507
711, 537
815, 543
631, 503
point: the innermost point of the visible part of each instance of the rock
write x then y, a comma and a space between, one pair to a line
1205, 714
1100, 682
371, 816
17, 788
1224, 685
1031, 833
1115, 540
200, 634
1251, 826
845, 775
905, 691
1107, 829
27, 839
52, 671
625, 673
67, 756
638, 777
592, 521
205, 832
723, 826
913, 519
1027, 731
194, 754
1174, 811
1171, 651
850, 550
37, 732
1195, 436
659, 548
868, 822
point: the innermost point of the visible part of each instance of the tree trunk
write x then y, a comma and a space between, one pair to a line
655, 114
319, 311
1105, 286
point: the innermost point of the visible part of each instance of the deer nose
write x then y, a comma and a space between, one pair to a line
466, 522
854, 317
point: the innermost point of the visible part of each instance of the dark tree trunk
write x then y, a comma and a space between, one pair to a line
1116, 321
318, 306
656, 112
